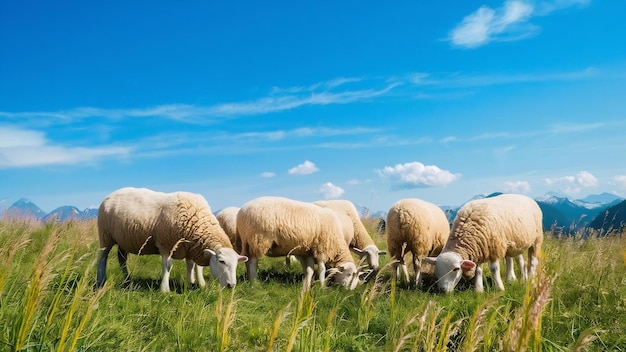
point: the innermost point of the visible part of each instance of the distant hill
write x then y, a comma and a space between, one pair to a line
560, 214
602, 198
24, 208
613, 219
567, 216
63, 213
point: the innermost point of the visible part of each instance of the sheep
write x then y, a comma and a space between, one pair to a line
175, 225
416, 226
355, 234
277, 226
490, 229
227, 218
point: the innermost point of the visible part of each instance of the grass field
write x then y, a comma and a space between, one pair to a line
48, 302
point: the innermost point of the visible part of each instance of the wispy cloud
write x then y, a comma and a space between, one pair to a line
21, 148
621, 181
268, 174
574, 184
464, 80
288, 102
305, 168
416, 175
509, 22
216, 113
334, 83
330, 191
522, 187
550, 130
320, 94
575, 127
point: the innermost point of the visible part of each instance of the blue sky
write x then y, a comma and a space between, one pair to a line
365, 101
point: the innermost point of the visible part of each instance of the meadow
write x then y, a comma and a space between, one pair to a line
48, 303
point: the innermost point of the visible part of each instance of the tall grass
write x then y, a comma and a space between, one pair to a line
48, 302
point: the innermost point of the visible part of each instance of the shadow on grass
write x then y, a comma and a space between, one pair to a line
154, 284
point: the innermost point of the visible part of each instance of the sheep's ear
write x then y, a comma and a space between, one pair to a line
210, 251
467, 265
431, 260
357, 251
382, 252
242, 258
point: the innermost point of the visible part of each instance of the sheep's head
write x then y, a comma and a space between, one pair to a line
371, 254
449, 268
346, 275
223, 263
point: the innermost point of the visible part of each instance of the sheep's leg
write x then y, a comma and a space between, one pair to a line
103, 254
494, 267
522, 266
191, 279
308, 266
122, 257
290, 259
417, 268
533, 261
200, 275
510, 270
251, 267
193, 271
166, 262
321, 272
479, 279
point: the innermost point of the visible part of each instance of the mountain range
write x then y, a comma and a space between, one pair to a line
561, 215
24, 208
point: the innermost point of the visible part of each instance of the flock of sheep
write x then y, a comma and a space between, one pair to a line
180, 225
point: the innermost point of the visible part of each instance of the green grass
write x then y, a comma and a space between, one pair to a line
48, 303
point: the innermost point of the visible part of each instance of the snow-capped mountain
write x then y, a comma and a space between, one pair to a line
24, 208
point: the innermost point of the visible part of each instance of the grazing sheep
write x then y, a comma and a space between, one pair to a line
276, 227
415, 226
355, 234
175, 225
227, 218
490, 229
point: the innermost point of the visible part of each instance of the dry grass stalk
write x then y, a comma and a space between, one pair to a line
39, 278
225, 315
527, 318
282, 315
303, 314
475, 332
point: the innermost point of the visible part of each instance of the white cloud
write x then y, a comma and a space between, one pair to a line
268, 174
507, 23
353, 182
522, 187
416, 174
574, 184
621, 181
487, 24
330, 191
305, 168
28, 148
11, 137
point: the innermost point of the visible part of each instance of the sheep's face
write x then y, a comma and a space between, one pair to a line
449, 268
223, 265
371, 254
347, 275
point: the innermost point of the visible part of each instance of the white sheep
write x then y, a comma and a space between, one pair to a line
354, 232
277, 226
176, 225
227, 218
415, 226
488, 230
